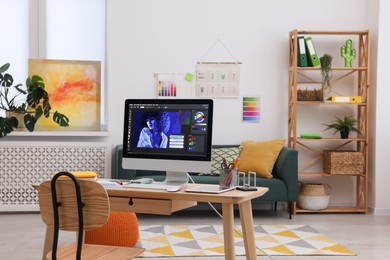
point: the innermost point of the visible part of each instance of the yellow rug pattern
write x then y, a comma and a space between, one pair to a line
207, 240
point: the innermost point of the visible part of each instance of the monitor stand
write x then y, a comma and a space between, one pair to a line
176, 178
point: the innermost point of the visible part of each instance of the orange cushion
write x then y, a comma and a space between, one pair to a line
260, 157
121, 229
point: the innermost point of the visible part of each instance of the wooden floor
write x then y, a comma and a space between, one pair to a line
21, 235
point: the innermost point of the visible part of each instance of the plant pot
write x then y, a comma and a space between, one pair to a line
344, 134
20, 119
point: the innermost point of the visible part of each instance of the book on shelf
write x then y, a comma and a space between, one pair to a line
311, 136
345, 99
311, 53
302, 55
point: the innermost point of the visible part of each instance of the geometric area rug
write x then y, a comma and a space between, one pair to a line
207, 240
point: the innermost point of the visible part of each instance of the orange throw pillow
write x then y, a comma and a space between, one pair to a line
260, 157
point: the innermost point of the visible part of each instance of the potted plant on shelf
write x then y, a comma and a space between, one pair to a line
29, 104
344, 126
326, 72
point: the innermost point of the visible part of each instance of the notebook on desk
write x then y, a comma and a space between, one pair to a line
209, 189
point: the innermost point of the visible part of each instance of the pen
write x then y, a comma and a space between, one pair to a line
225, 163
236, 162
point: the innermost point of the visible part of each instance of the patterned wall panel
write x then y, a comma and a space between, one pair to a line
25, 163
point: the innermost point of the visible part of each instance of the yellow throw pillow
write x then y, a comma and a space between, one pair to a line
260, 157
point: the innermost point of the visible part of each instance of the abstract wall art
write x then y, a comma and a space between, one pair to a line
74, 88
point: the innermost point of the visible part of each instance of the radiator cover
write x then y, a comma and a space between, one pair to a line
25, 163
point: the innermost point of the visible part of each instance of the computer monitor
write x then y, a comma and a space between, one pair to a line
172, 135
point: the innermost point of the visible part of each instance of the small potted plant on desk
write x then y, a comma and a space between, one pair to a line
344, 126
31, 108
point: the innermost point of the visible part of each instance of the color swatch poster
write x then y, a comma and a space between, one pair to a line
251, 109
174, 85
74, 90
166, 84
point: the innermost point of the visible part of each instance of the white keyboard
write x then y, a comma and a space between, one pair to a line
153, 186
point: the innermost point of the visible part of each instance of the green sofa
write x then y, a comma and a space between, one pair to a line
283, 187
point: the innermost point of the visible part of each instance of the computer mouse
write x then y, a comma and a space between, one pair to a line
173, 188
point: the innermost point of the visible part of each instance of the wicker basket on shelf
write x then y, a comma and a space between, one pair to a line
343, 162
310, 95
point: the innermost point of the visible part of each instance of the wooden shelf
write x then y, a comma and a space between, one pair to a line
333, 209
362, 32
324, 174
331, 139
358, 84
327, 103
333, 68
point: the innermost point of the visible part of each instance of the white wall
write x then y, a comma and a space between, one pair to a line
381, 180
147, 36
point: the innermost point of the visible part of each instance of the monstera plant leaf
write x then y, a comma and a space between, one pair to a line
29, 122
6, 80
60, 119
7, 125
34, 98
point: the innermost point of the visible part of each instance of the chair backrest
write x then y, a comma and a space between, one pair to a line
96, 207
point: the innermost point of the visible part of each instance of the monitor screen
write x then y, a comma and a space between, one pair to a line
168, 135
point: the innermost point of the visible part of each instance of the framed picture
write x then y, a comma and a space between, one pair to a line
74, 90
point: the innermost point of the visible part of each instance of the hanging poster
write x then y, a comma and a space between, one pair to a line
174, 85
217, 80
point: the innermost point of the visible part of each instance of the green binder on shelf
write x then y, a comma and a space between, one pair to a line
311, 51
302, 56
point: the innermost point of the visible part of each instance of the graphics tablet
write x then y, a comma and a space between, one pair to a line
209, 189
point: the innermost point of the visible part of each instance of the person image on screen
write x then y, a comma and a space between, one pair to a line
151, 135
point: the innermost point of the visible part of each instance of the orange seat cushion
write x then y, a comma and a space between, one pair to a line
121, 229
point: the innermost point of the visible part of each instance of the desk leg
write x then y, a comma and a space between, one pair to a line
228, 230
48, 244
247, 229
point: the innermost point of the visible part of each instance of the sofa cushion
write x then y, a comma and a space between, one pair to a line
260, 157
217, 153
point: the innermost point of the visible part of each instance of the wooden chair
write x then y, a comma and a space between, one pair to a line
78, 205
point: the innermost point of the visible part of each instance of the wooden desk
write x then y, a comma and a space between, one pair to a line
164, 203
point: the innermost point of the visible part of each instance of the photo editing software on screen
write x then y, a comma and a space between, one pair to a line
164, 128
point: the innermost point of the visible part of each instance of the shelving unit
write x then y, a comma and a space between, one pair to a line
360, 84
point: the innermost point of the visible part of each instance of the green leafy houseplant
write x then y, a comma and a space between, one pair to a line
344, 126
31, 109
326, 72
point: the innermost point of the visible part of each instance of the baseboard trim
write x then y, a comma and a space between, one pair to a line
379, 212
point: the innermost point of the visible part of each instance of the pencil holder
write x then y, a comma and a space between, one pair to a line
227, 178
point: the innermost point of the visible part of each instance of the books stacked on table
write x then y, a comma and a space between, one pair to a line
84, 175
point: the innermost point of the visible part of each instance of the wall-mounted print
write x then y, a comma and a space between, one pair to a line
218, 80
74, 89
251, 109
174, 85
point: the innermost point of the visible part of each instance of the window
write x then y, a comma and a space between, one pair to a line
53, 29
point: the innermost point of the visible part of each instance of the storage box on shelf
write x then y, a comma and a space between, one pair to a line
343, 162
357, 83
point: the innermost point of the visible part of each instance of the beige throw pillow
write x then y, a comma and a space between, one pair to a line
260, 157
